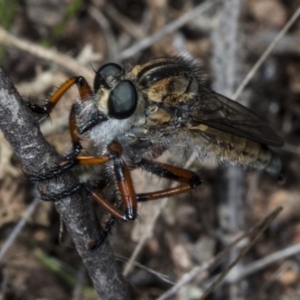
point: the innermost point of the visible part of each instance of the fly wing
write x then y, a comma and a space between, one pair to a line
219, 112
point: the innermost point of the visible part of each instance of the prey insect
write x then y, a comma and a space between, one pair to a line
135, 114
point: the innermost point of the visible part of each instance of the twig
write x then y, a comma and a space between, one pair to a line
188, 277
79, 283
225, 63
62, 60
257, 43
148, 232
124, 23
99, 17
258, 265
171, 27
36, 155
18, 228
266, 53
229, 268
136, 264
291, 148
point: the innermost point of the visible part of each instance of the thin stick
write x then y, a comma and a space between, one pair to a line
171, 27
148, 232
36, 155
100, 18
131, 28
188, 277
262, 263
266, 53
18, 228
136, 264
62, 60
265, 224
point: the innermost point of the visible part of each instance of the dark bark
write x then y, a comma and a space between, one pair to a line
36, 155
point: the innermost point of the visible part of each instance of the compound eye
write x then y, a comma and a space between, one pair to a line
104, 72
122, 100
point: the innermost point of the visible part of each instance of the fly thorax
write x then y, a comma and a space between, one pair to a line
156, 116
110, 130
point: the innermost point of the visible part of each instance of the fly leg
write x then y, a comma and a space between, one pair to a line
127, 194
82, 85
85, 93
66, 165
123, 180
189, 179
122, 177
100, 185
125, 186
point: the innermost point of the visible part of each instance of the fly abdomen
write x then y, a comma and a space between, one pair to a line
238, 150
257, 156
268, 161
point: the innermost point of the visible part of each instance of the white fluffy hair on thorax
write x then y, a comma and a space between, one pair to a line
109, 130
105, 132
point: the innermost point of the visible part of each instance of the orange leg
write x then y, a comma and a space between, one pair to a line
69, 164
122, 175
190, 179
124, 182
105, 204
85, 93
82, 85
88, 160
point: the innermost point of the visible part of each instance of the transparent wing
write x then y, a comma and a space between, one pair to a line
219, 112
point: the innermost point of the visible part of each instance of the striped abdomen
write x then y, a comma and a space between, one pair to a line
239, 150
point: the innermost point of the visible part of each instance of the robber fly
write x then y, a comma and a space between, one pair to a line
134, 115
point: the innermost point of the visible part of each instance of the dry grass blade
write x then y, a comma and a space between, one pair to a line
149, 231
188, 277
125, 23
173, 26
18, 228
62, 60
263, 263
22, 132
100, 18
162, 276
263, 226
266, 53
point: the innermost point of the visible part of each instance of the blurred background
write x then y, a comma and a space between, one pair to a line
43, 43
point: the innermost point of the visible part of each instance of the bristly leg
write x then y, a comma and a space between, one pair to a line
75, 131
53, 173
123, 179
189, 179
107, 229
64, 194
87, 186
99, 184
72, 158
